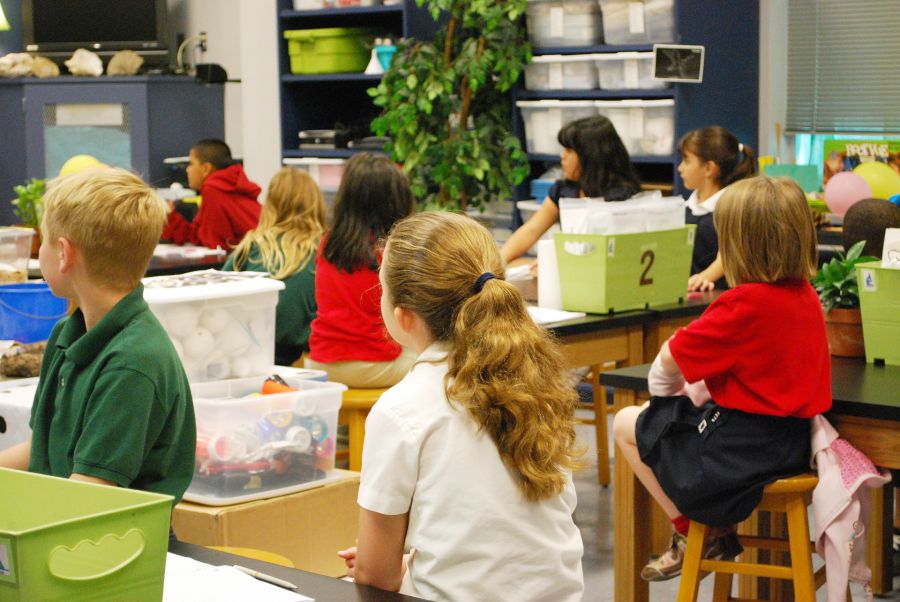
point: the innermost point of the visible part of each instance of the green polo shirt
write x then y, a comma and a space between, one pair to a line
114, 403
296, 307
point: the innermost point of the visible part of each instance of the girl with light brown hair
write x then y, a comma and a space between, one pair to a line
284, 245
467, 461
733, 391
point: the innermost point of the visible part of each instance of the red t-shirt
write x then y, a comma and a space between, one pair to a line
348, 324
761, 348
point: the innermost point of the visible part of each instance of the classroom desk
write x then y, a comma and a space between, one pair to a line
319, 587
866, 412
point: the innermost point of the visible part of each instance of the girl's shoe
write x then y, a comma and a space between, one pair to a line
668, 564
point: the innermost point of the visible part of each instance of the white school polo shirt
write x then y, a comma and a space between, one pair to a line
472, 534
707, 206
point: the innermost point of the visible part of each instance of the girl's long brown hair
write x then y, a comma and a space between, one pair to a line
503, 368
290, 225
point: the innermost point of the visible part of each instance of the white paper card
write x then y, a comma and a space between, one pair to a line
549, 294
556, 76
636, 17
890, 256
556, 22
545, 315
631, 73
96, 114
188, 580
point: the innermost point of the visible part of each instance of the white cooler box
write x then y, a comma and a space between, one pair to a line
558, 72
253, 446
544, 118
221, 323
564, 23
627, 71
630, 22
646, 127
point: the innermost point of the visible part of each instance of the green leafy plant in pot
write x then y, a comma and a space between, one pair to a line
29, 208
836, 283
446, 104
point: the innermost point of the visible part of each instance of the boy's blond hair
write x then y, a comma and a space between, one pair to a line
112, 217
766, 232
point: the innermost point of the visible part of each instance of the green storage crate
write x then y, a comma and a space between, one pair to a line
69, 540
879, 302
599, 273
332, 50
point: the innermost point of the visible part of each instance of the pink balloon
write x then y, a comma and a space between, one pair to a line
843, 190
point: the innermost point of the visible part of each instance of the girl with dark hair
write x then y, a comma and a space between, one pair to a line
711, 159
348, 339
594, 163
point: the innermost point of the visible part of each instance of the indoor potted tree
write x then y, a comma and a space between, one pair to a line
446, 105
29, 208
838, 290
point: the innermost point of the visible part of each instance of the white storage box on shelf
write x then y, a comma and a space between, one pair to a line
254, 446
544, 118
559, 71
630, 22
647, 127
627, 71
564, 23
221, 323
326, 172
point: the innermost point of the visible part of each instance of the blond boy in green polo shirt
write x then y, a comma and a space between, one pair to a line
113, 405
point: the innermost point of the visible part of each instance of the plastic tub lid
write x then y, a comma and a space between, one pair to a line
621, 56
14, 232
311, 161
634, 103
554, 104
207, 284
564, 58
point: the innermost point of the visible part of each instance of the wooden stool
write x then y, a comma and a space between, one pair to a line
263, 555
791, 496
355, 407
599, 421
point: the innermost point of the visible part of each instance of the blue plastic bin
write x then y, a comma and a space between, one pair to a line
540, 189
29, 311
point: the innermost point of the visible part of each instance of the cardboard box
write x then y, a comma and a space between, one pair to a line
308, 527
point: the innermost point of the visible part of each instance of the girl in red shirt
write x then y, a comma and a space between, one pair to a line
733, 392
348, 338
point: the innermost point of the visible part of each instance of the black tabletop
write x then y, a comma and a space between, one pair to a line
857, 388
323, 589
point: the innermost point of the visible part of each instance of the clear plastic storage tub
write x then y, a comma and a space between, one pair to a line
558, 71
564, 23
630, 22
15, 250
253, 446
647, 127
222, 324
544, 118
627, 71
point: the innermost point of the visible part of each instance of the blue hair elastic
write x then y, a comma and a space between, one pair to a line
479, 284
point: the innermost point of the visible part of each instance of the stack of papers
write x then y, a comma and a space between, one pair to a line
545, 315
188, 580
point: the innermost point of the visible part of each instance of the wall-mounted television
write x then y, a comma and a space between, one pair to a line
56, 28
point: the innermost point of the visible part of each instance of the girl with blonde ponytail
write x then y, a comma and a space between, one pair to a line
467, 461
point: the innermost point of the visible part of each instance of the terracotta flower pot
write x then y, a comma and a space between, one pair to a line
845, 333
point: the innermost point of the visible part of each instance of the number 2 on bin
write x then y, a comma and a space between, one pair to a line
647, 256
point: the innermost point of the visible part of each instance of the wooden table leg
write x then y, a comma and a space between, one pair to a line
632, 537
879, 539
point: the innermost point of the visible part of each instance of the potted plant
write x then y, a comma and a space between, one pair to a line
838, 290
446, 104
29, 208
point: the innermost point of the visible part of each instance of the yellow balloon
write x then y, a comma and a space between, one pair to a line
884, 181
80, 163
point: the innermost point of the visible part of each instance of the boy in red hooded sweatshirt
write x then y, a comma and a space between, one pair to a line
228, 208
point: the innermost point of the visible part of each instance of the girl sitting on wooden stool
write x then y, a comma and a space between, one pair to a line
734, 390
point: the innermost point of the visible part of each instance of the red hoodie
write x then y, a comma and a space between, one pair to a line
227, 211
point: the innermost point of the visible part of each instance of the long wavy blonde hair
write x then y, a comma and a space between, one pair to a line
503, 368
290, 225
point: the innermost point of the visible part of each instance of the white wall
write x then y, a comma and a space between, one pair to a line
242, 37
773, 78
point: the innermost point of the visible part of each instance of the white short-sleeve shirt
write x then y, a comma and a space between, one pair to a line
472, 534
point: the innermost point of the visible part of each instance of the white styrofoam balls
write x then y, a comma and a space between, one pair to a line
218, 369
181, 320
233, 340
199, 344
240, 366
215, 320
259, 326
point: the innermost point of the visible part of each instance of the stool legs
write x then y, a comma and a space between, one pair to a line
690, 568
600, 426
801, 556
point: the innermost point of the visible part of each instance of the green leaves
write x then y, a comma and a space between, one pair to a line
449, 121
29, 204
836, 280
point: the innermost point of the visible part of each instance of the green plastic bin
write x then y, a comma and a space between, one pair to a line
603, 273
331, 50
879, 303
68, 540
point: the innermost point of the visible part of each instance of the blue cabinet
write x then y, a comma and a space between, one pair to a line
131, 122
